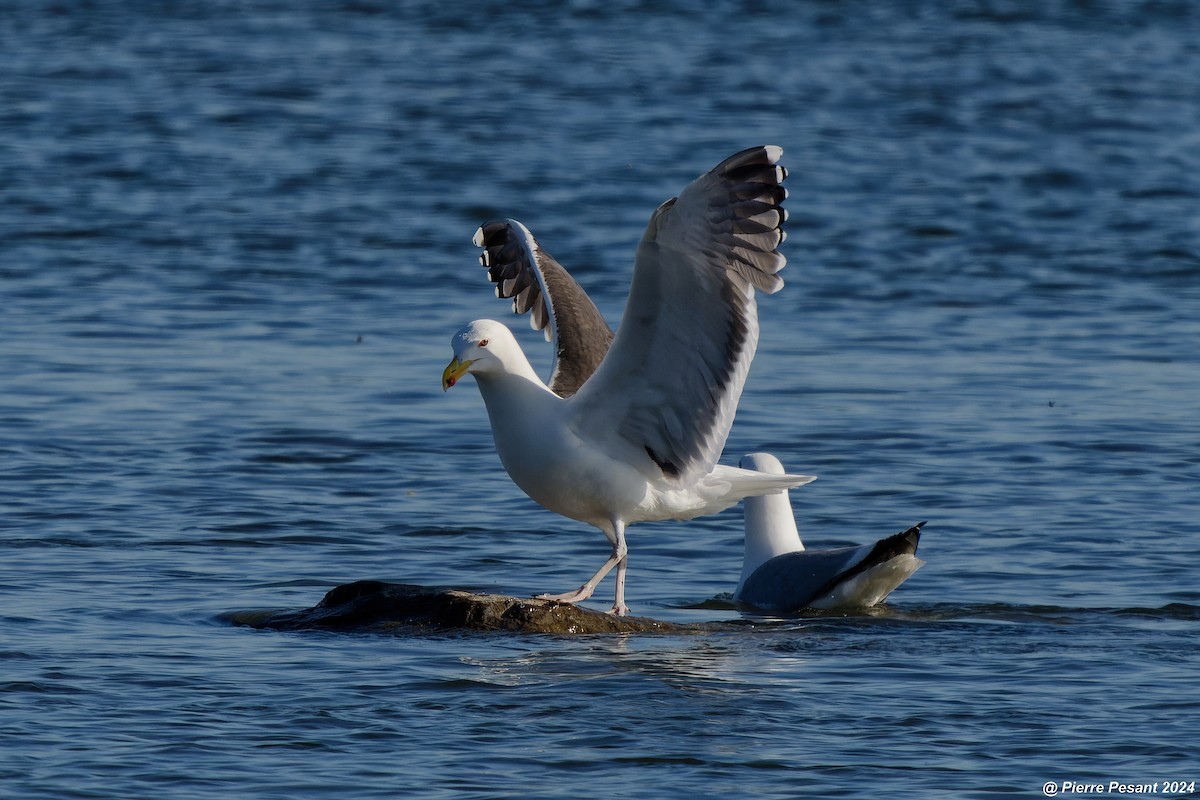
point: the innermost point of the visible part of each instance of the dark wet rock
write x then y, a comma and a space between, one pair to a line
366, 606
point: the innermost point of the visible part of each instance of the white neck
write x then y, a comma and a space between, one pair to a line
504, 391
508, 395
770, 531
518, 405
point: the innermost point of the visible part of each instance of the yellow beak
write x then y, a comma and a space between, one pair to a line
454, 372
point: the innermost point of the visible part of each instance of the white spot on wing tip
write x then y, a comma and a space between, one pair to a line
774, 152
477, 239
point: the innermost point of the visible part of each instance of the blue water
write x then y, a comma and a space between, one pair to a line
235, 240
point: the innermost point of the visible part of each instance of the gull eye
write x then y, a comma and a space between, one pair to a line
483, 342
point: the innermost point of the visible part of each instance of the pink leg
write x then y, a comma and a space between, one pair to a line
618, 559
619, 608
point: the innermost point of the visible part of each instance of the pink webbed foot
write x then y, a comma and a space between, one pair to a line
577, 596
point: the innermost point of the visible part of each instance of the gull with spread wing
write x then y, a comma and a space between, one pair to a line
778, 573
639, 439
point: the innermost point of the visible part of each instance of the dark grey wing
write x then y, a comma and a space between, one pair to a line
793, 581
556, 303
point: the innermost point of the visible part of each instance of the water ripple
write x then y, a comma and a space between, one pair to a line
234, 240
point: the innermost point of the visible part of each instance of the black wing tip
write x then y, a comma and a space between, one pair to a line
906, 540
760, 155
496, 231
754, 179
884, 550
509, 255
754, 165
483, 234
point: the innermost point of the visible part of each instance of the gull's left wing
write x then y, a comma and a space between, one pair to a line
556, 303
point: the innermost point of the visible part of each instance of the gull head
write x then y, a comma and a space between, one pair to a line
480, 347
762, 462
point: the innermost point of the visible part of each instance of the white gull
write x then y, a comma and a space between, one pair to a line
779, 575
